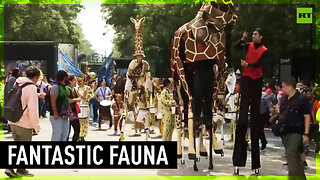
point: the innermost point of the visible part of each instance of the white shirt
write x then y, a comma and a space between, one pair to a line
41, 85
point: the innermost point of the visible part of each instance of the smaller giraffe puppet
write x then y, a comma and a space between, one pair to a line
138, 85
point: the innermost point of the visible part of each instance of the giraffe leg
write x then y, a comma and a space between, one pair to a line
179, 145
216, 146
222, 135
191, 148
203, 150
195, 167
210, 150
179, 132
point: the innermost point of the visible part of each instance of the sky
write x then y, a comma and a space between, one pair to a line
93, 27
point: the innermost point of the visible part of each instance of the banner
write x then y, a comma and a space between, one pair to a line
106, 70
69, 66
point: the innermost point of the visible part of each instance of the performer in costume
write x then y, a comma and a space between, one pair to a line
250, 88
167, 102
157, 102
92, 81
86, 94
117, 108
138, 85
200, 44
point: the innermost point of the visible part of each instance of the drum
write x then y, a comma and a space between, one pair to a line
106, 103
153, 110
85, 111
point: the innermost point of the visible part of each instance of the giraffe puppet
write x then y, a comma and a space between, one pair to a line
138, 84
196, 47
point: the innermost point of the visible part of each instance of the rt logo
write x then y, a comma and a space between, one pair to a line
304, 16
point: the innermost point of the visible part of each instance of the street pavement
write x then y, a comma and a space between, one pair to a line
271, 158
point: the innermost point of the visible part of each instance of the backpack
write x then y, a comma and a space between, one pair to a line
13, 109
47, 99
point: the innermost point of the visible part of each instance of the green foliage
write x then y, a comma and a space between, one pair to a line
32, 20
1, 104
41, 2
1, 93
294, 2
154, 1
284, 36
157, 30
41, 22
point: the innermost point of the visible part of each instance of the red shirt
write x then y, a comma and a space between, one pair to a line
253, 56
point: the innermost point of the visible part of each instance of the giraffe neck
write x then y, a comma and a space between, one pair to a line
138, 41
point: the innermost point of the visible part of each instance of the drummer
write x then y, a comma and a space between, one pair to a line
103, 94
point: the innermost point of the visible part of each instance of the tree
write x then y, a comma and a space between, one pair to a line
157, 30
284, 35
41, 22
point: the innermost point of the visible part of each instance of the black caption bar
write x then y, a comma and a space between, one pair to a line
89, 155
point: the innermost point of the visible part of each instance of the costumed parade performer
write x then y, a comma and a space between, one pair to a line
200, 44
117, 108
86, 94
250, 90
138, 84
167, 103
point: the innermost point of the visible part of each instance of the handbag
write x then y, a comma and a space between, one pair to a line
279, 127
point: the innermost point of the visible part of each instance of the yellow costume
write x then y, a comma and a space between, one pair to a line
87, 94
166, 102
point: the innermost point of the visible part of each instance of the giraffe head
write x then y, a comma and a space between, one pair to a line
137, 22
213, 18
138, 39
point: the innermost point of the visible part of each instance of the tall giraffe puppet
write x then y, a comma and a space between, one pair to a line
138, 84
196, 46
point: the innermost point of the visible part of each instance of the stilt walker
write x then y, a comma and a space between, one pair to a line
200, 44
250, 90
138, 85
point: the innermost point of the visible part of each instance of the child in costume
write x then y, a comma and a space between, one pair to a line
167, 102
117, 108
